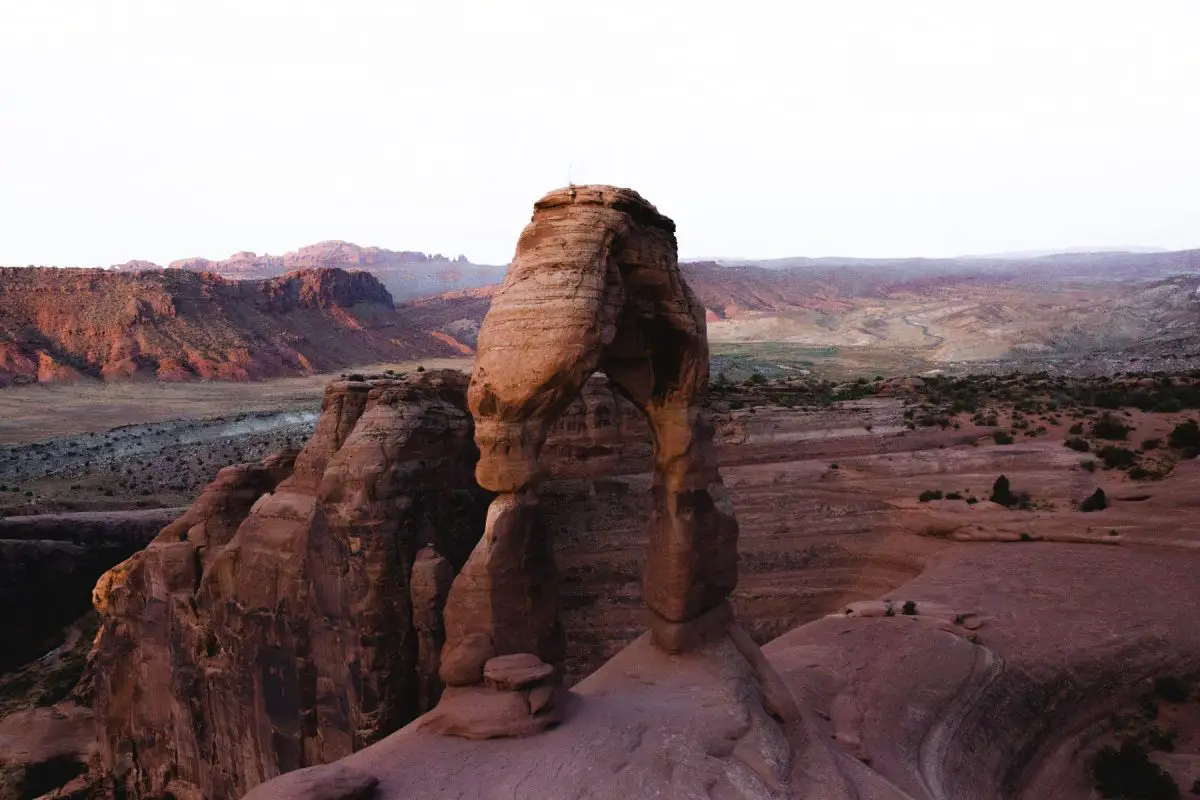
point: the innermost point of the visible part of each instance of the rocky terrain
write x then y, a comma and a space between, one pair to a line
962, 587
405, 273
1083, 314
177, 325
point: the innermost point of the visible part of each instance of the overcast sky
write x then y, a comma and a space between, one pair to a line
165, 128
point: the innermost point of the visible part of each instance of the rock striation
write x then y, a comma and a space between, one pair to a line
292, 615
595, 285
63, 324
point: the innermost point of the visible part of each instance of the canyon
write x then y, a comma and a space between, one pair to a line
947, 586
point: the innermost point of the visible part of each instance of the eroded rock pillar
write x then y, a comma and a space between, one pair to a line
691, 563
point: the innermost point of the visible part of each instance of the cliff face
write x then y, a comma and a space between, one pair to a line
58, 324
226, 658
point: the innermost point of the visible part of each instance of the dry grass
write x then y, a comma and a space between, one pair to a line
32, 413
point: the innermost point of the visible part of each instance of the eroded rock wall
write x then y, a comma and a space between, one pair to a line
273, 627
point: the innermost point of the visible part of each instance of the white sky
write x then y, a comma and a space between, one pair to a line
166, 128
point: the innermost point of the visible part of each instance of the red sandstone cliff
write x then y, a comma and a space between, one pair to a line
58, 324
290, 619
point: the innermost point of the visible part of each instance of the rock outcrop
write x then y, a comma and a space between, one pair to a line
58, 324
890, 707
288, 621
595, 285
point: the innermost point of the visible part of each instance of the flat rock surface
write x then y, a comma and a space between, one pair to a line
645, 725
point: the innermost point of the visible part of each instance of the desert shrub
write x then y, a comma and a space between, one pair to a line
356, 378
1158, 739
1141, 473
758, 379
1172, 688
1097, 501
1116, 457
1151, 444
1025, 537
1109, 427
421, 368
1129, 773
1002, 492
1002, 437
1078, 444
954, 496
972, 500
910, 608
1186, 437
1088, 465
930, 494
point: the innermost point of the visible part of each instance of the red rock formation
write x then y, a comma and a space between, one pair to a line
227, 658
595, 285
58, 324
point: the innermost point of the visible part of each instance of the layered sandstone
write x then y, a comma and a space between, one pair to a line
283, 623
58, 324
595, 284
890, 707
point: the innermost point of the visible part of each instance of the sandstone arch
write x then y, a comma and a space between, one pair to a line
595, 285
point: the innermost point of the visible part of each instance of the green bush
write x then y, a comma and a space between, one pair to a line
1002, 437
1088, 465
930, 494
1076, 429
954, 496
910, 608
1096, 502
1109, 427
1078, 444
1116, 457
1186, 437
1151, 444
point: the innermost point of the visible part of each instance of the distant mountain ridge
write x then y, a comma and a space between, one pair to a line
174, 324
405, 273
944, 310
1114, 264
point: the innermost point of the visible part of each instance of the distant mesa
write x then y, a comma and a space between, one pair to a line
178, 325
